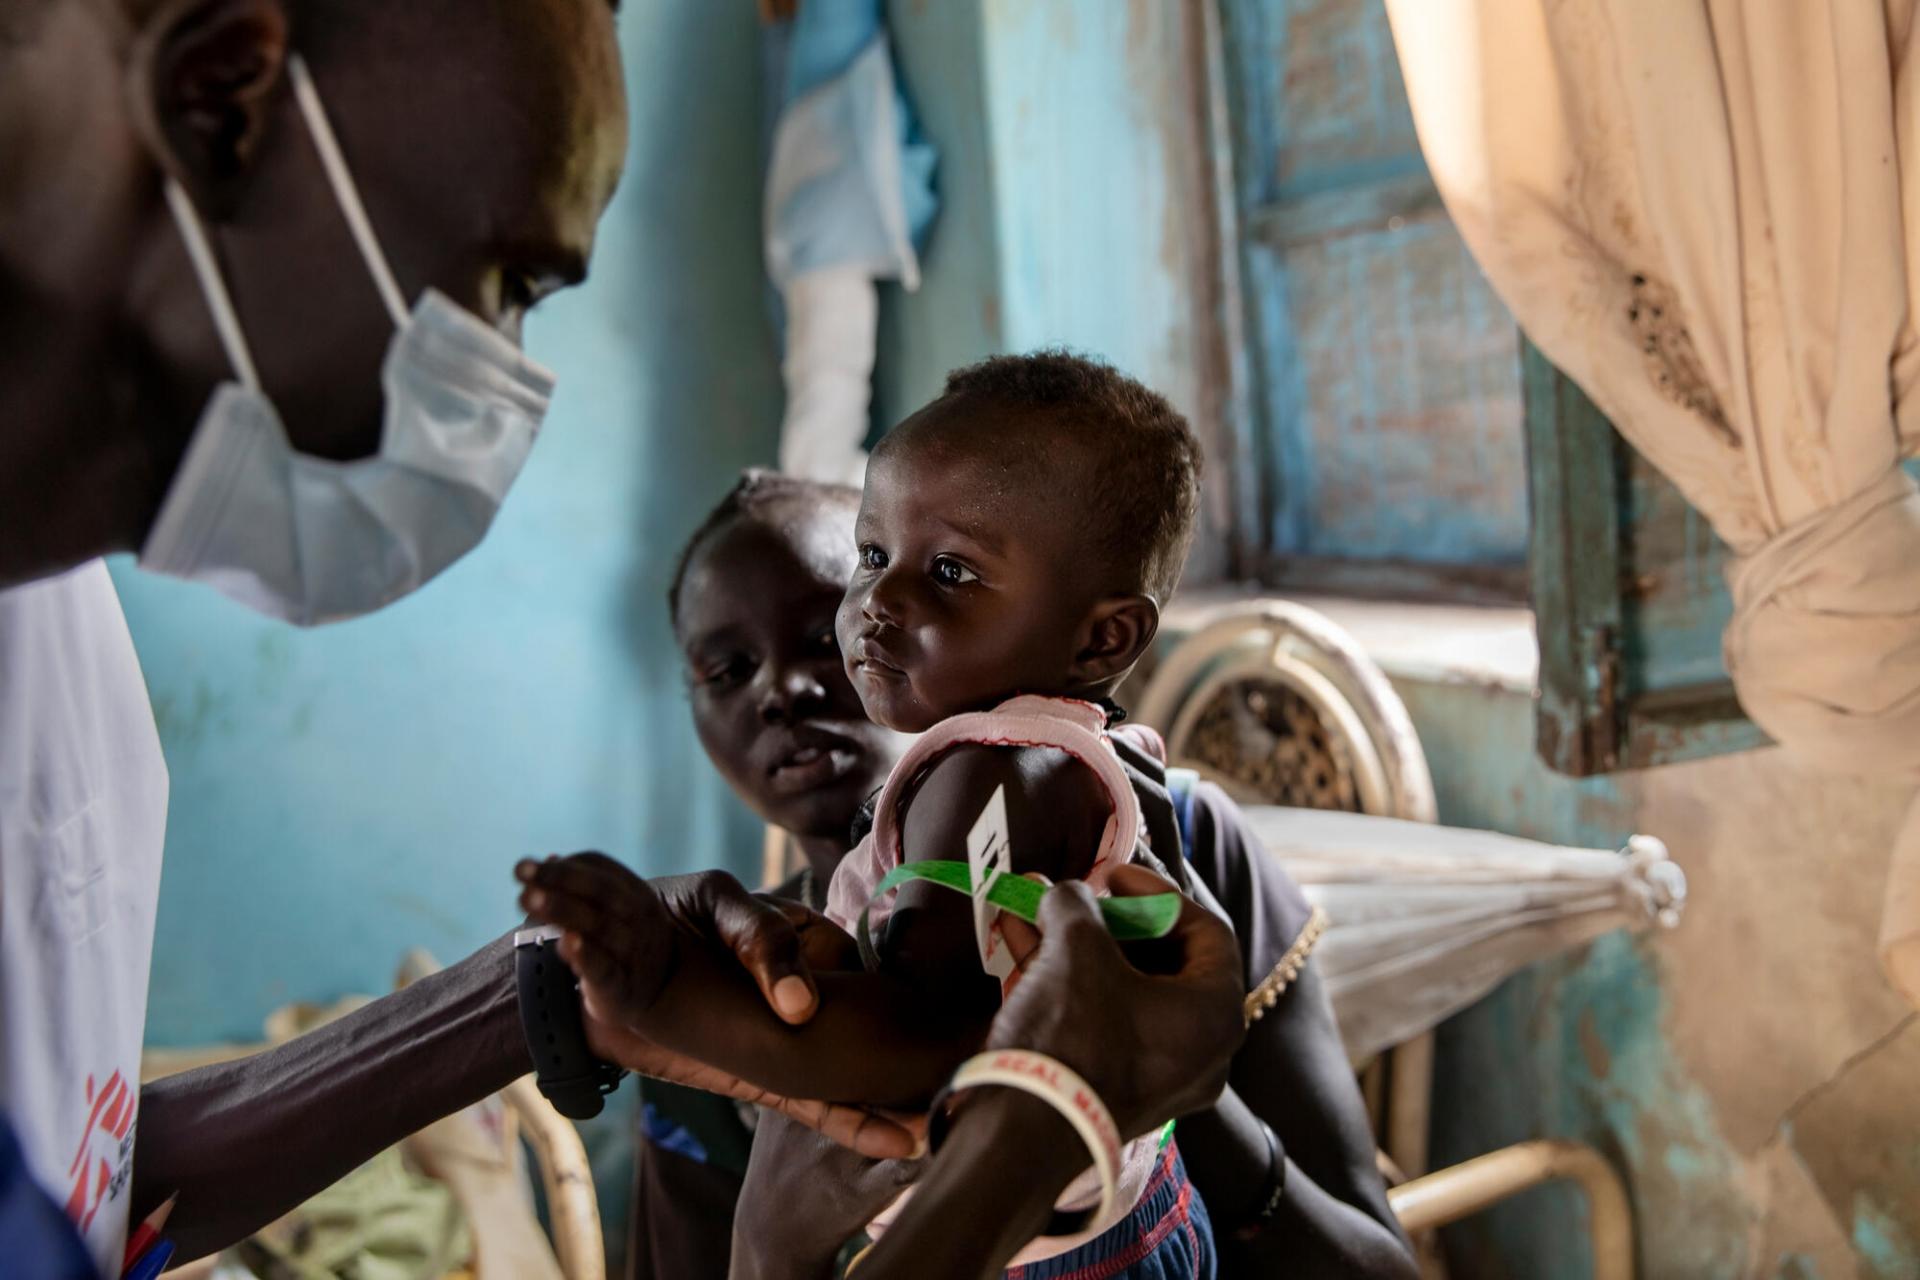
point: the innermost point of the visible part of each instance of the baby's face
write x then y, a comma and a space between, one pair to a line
963, 593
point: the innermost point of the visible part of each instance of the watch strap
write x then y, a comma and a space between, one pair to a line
567, 1072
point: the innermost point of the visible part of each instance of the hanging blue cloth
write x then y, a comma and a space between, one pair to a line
36, 1240
850, 179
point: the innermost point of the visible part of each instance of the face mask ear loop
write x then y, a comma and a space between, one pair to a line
200, 253
344, 190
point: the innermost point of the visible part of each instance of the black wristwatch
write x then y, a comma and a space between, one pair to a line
573, 1080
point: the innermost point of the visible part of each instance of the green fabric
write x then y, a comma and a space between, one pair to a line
383, 1221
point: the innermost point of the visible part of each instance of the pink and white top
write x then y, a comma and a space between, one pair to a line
1080, 729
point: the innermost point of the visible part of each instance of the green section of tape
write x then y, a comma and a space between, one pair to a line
1127, 919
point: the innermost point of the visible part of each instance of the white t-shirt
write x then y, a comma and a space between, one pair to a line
83, 812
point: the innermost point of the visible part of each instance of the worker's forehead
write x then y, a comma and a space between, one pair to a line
509, 124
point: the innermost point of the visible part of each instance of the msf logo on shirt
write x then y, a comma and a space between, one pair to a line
103, 1162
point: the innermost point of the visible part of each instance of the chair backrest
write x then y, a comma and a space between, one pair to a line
1276, 703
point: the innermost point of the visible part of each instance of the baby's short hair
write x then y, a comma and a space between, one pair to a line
1144, 493
756, 493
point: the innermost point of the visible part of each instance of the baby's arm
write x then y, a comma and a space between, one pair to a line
871, 1038
1056, 812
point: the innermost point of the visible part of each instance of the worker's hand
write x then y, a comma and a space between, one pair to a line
1154, 1045
622, 933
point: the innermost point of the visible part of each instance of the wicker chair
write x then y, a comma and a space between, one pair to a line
473, 1158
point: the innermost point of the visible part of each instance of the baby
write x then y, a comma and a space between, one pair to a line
1017, 538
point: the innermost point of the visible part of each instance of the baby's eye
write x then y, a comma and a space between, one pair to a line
949, 572
824, 641
872, 557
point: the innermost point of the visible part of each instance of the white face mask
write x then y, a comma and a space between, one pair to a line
311, 540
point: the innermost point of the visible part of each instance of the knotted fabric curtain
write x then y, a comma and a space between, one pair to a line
1707, 213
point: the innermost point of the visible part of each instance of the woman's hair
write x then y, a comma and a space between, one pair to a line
756, 494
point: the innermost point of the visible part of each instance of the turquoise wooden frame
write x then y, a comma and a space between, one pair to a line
1601, 706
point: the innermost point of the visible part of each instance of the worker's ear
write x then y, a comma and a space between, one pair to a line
202, 77
1114, 636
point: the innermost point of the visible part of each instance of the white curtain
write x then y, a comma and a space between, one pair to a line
1425, 919
1701, 211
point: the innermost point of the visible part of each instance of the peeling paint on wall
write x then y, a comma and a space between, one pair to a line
1750, 1072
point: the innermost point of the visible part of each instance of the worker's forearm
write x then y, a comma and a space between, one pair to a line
987, 1192
243, 1142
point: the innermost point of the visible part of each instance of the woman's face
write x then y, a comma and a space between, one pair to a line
770, 695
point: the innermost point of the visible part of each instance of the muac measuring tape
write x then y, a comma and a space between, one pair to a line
1127, 919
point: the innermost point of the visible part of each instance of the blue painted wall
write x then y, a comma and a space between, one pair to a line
343, 794
955, 315
1080, 95
1075, 206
